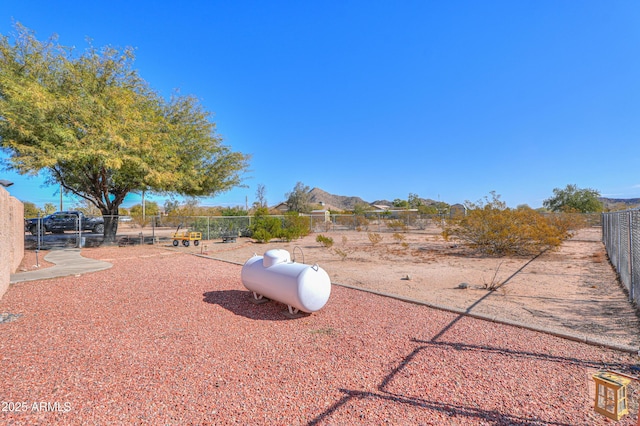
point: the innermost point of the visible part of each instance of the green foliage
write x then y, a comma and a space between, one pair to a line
94, 126
361, 208
151, 208
325, 241
574, 199
429, 210
265, 227
262, 235
31, 210
49, 208
403, 204
496, 230
298, 199
442, 207
234, 211
295, 226
414, 201
171, 206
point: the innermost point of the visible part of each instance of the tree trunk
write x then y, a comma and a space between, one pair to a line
110, 226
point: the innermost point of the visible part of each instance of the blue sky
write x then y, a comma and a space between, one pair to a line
378, 99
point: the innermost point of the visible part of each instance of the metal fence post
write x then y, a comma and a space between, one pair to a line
631, 259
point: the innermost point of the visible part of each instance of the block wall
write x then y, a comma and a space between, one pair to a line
11, 237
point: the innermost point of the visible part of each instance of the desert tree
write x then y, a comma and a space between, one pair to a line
261, 196
298, 200
361, 209
97, 130
31, 210
400, 203
574, 199
414, 201
49, 208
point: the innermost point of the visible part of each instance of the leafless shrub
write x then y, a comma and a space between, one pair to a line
494, 283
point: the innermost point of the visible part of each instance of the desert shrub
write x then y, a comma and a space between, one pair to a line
261, 235
496, 230
361, 222
398, 237
295, 226
265, 227
375, 238
342, 253
397, 225
325, 241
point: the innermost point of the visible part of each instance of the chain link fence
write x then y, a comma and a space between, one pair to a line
621, 237
213, 227
71, 230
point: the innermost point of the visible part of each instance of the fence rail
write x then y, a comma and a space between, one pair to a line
621, 237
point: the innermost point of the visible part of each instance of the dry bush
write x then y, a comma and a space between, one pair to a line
397, 225
342, 253
361, 223
398, 237
374, 238
494, 284
496, 230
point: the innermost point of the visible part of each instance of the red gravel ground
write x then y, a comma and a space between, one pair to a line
171, 338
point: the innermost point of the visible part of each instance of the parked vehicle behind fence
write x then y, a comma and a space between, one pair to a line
59, 222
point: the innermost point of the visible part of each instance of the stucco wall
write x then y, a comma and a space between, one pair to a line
11, 237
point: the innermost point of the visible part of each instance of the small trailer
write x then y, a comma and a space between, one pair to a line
186, 237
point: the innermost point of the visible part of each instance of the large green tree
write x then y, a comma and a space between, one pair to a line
96, 128
574, 199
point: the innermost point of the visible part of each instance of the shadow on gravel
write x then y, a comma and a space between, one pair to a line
477, 414
474, 414
241, 303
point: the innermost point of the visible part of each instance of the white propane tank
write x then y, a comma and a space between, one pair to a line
275, 276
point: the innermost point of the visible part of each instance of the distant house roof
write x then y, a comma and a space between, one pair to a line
282, 207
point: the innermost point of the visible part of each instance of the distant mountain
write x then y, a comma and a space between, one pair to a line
341, 202
620, 203
334, 202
